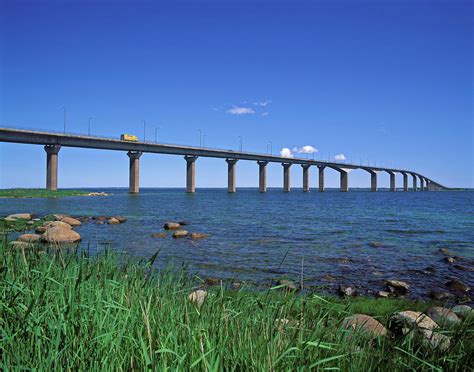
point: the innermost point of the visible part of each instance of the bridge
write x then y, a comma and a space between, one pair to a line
53, 142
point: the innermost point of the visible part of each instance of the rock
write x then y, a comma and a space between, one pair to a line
441, 315
444, 251
61, 224
183, 223
60, 234
376, 244
99, 222
449, 260
459, 267
159, 235
457, 286
463, 311
19, 216
180, 234
29, 238
100, 218
113, 221
348, 290
287, 285
198, 297
329, 277
430, 270
58, 217
20, 245
199, 235
71, 221
364, 324
171, 226
120, 219
41, 229
404, 321
440, 295
435, 340
97, 194
212, 281
383, 294
398, 287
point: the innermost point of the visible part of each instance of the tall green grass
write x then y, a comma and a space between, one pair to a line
64, 310
38, 193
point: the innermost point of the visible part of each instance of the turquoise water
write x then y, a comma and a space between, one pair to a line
358, 237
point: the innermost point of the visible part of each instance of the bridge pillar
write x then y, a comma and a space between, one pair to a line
392, 180
305, 177
422, 184
231, 175
262, 176
190, 173
373, 180
286, 176
52, 166
427, 181
405, 181
321, 177
134, 170
344, 180
414, 182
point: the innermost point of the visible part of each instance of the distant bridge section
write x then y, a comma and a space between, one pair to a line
53, 142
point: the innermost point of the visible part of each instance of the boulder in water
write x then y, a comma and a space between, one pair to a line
180, 234
60, 235
199, 235
348, 290
171, 226
71, 221
159, 235
19, 216
398, 287
113, 221
457, 286
30, 238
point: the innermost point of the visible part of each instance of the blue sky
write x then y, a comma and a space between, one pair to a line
389, 82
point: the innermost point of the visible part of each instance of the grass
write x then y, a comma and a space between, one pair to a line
38, 193
65, 310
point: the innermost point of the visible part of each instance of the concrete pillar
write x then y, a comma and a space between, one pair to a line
414, 182
373, 181
262, 176
422, 185
231, 175
321, 177
427, 188
344, 180
392, 181
286, 176
190, 173
52, 166
305, 177
405, 182
134, 180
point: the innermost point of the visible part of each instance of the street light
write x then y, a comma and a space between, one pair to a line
64, 108
89, 130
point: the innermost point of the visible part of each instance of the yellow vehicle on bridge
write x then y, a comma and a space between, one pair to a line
128, 137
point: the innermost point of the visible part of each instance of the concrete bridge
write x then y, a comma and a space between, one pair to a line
53, 142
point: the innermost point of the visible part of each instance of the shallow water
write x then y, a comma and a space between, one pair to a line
359, 237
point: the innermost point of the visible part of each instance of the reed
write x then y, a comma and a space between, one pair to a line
66, 310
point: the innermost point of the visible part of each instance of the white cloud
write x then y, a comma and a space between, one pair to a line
307, 150
262, 103
340, 157
236, 110
264, 114
286, 153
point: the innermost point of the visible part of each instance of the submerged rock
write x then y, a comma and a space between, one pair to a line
159, 235
441, 295
120, 219
364, 324
180, 234
329, 277
199, 235
457, 286
29, 238
449, 260
113, 221
441, 315
198, 297
398, 287
444, 251
376, 244
171, 226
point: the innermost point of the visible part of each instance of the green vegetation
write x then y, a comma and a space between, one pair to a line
38, 193
65, 310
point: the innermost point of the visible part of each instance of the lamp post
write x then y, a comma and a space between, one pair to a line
89, 128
